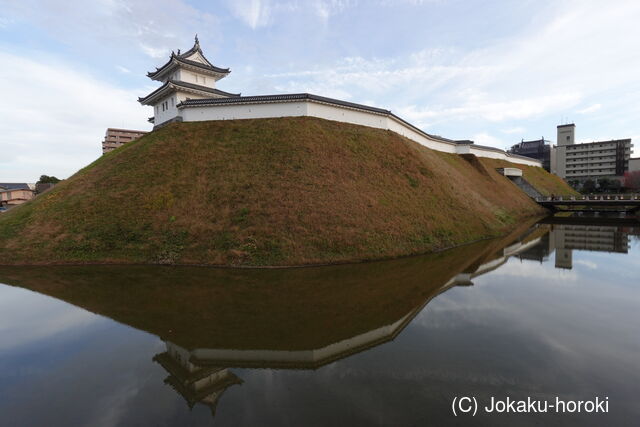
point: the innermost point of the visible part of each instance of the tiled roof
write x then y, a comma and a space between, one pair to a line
177, 59
183, 58
14, 186
276, 98
302, 97
179, 83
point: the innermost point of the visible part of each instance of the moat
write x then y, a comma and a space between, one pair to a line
550, 311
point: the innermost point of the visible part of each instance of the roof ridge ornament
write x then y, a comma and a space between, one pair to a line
197, 42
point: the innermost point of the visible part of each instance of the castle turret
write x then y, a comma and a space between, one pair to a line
187, 75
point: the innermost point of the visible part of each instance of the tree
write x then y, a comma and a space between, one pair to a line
632, 180
588, 186
46, 179
604, 184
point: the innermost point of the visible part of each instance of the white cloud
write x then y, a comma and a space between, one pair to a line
324, 9
545, 70
590, 109
254, 13
155, 27
514, 130
56, 120
484, 138
122, 69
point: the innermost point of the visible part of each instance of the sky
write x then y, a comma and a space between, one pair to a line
495, 72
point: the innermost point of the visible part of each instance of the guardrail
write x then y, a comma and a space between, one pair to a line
592, 197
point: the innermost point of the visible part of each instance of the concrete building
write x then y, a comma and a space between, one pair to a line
591, 160
13, 194
634, 164
115, 138
188, 94
539, 149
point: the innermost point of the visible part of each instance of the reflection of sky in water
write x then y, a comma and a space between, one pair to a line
61, 365
525, 329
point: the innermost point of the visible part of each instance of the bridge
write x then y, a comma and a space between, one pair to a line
592, 203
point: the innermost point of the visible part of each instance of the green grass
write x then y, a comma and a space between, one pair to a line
287, 191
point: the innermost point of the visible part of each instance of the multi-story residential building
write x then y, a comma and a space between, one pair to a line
115, 138
591, 160
536, 149
12, 194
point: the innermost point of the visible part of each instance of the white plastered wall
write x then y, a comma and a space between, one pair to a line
341, 114
244, 111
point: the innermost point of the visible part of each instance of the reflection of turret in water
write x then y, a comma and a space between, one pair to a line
195, 383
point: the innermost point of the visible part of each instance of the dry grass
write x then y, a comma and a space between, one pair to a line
543, 181
284, 191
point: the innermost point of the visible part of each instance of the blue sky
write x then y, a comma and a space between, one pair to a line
491, 71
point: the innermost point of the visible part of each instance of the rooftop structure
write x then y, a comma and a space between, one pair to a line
115, 138
539, 149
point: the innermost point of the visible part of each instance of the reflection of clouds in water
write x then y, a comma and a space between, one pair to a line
613, 265
19, 326
114, 407
589, 264
545, 273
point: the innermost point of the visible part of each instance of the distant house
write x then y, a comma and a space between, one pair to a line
12, 194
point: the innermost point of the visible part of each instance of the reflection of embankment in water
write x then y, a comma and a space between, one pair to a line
316, 312
215, 319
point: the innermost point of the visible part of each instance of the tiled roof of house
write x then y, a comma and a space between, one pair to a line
14, 186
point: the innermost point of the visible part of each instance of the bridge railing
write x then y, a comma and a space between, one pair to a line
594, 197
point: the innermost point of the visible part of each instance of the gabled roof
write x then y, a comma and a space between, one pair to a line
189, 87
183, 58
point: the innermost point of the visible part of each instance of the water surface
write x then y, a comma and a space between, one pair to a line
551, 310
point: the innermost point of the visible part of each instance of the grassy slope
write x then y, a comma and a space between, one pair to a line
263, 192
543, 181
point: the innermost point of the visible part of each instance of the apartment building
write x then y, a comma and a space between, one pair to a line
591, 160
115, 138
